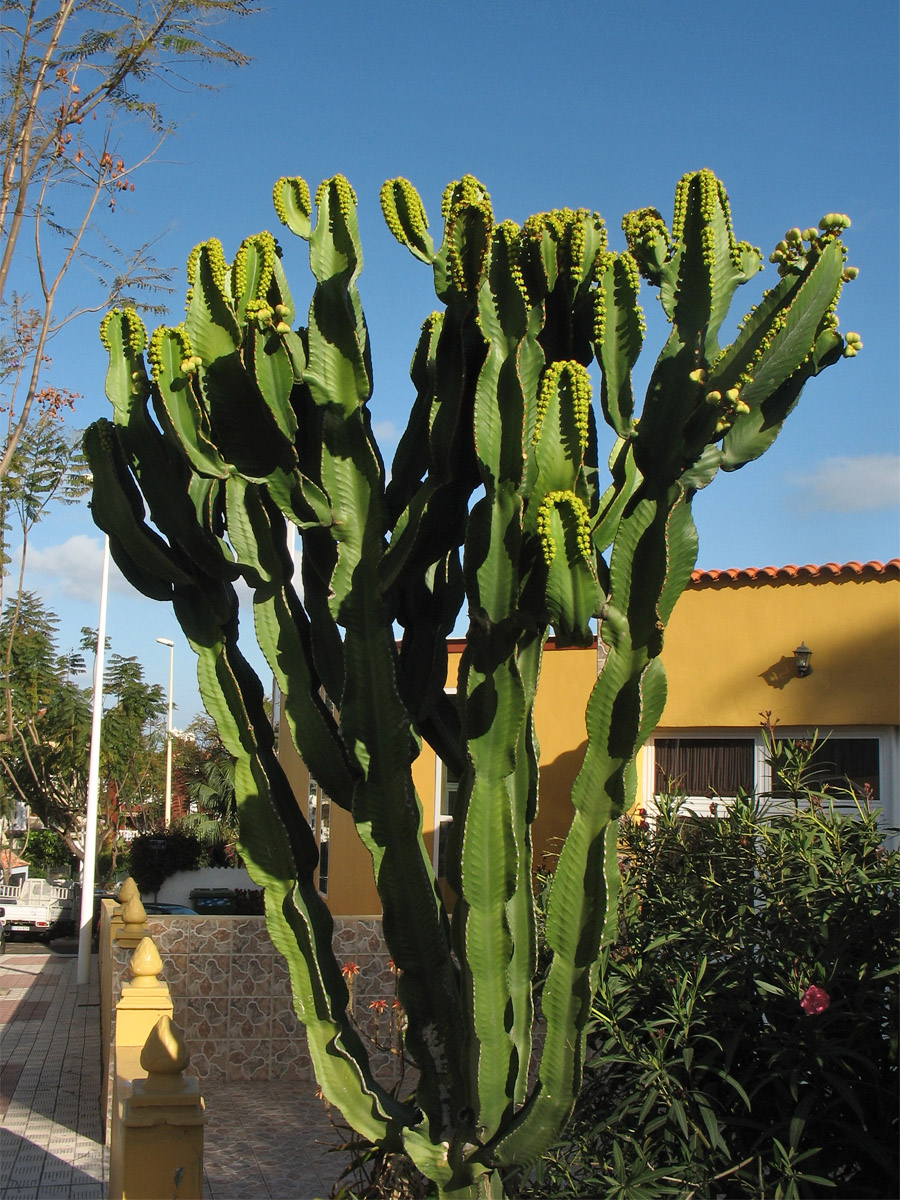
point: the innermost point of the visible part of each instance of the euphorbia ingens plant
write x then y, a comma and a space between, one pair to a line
239, 422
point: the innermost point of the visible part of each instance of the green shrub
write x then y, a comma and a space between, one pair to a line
46, 852
744, 1033
157, 856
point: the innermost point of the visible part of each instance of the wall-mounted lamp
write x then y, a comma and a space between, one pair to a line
802, 655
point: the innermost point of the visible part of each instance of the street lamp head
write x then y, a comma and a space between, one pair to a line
165, 641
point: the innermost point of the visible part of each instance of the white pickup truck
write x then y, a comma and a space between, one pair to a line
37, 908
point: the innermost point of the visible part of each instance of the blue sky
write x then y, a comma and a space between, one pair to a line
604, 105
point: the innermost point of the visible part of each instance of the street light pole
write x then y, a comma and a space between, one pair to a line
88, 875
168, 642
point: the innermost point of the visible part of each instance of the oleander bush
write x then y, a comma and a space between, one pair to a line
744, 1032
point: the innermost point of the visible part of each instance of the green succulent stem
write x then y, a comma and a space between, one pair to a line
239, 424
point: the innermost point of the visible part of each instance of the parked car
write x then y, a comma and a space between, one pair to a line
37, 908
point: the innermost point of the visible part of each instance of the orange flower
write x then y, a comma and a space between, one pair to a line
349, 970
378, 1006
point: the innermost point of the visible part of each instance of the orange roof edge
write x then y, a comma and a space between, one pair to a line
826, 572
809, 573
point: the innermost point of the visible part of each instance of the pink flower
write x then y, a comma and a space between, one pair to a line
815, 1000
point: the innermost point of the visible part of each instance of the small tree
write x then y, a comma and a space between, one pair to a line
45, 763
70, 75
495, 500
205, 772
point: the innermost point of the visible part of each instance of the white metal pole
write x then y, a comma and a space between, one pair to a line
168, 642
90, 831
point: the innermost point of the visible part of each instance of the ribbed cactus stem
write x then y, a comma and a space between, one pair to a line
245, 423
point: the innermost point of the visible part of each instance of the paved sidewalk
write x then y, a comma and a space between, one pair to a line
263, 1141
50, 1063
268, 1140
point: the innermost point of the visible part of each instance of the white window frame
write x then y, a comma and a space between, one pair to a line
888, 760
440, 817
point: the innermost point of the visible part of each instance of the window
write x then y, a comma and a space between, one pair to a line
720, 762
842, 761
446, 788
704, 767
318, 813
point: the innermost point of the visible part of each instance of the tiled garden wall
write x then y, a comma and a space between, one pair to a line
232, 996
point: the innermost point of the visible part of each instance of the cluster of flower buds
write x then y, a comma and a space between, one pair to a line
404, 213
261, 312
790, 254
346, 196
299, 192
574, 378
135, 329
466, 270
729, 402
853, 345
282, 311
467, 190
577, 507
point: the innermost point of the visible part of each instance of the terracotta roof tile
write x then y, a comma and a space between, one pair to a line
811, 572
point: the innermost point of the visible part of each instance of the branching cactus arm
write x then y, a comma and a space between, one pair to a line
243, 423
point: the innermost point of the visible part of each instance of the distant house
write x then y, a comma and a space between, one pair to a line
729, 657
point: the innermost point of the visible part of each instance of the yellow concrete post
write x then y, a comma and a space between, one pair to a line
134, 916
162, 1125
144, 1001
112, 934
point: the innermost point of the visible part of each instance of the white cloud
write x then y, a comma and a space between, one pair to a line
74, 567
850, 484
387, 435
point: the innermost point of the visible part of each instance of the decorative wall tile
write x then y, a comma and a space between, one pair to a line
232, 996
285, 1022
205, 1020
174, 971
211, 935
249, 974
290, 1059
250, 936
209, 975
249, 1018
248, 1059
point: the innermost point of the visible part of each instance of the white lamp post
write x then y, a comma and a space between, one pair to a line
168, 642
90, 825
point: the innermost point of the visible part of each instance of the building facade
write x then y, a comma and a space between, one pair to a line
729, 658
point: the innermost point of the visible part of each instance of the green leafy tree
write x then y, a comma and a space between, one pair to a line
45, 760
47, 468
497, 501
72, 73
45, 763
132, 746
204, 769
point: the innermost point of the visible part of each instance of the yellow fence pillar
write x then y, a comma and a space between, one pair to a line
143, 1002
161, 1130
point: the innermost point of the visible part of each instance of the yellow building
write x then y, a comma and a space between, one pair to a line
729, 657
